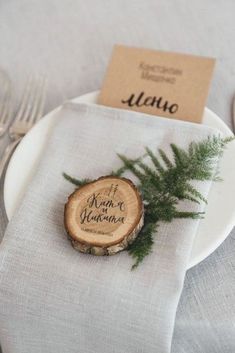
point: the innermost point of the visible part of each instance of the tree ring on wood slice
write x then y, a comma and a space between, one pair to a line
104, 216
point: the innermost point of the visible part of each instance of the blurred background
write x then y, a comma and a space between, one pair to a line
71, 40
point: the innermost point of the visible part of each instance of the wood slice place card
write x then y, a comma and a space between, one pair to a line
104, 216
159, 83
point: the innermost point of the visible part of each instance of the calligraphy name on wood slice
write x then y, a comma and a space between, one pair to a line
104, 216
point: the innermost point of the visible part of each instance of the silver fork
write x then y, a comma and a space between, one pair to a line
5, 87
29, 112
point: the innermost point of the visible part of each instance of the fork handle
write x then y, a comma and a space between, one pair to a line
6, 156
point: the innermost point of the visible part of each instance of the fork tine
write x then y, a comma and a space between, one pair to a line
5, 100
23, 105
3, 107
39, 101
6, 109
26, 116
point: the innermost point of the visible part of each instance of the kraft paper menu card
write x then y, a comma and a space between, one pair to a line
159, 83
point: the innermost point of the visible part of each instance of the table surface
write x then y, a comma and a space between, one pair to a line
71, 41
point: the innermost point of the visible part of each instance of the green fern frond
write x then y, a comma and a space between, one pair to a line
193, 215
142, 245
167, 161
180, 156
148, 171
76, 182
155, 161
124, 168
190, 198
194, 192
164, 185
129, 165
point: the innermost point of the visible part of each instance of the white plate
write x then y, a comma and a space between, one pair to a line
220, 212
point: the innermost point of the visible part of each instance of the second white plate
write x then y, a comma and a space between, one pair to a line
220, 212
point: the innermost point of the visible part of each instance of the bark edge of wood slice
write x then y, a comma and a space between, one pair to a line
104, 216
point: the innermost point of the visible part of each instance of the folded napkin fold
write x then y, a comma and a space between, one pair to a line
54, 299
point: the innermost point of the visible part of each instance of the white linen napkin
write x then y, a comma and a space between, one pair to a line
54, 299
